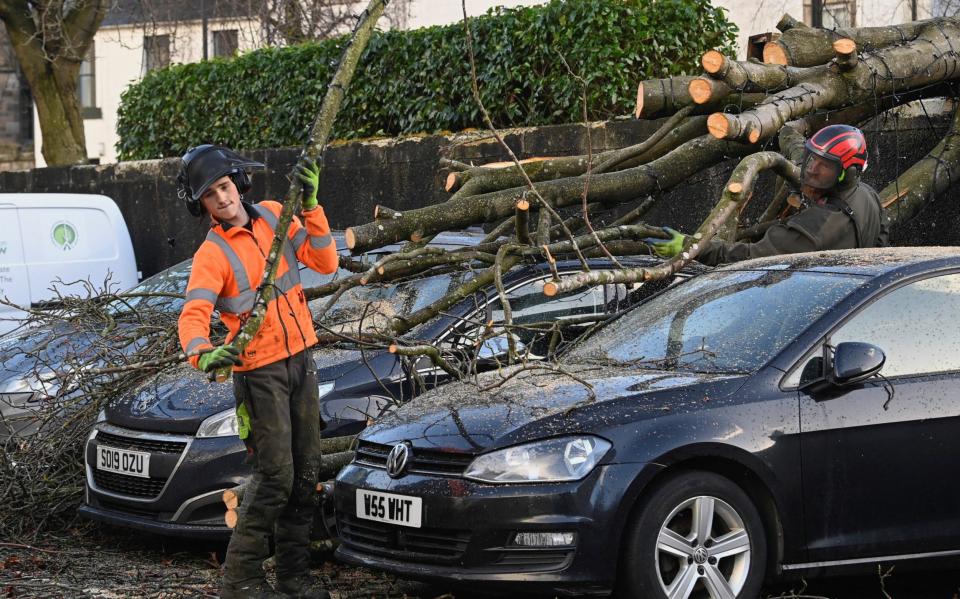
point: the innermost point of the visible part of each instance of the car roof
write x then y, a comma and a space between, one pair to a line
869, 262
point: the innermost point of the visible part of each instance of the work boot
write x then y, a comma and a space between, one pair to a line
251, 589
302, 587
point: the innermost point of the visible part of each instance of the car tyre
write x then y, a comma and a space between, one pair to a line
695, 536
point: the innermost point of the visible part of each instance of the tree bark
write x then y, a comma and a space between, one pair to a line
611, 188
891, 71
50, 41
809, 46
929, 177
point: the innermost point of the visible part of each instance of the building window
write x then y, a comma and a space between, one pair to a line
87, 86
837, 15
225, 42
156, 52
833, 14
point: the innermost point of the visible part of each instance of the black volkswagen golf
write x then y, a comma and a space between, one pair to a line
785, 414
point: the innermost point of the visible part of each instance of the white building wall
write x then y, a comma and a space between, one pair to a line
424, 13
119, 61
760, 16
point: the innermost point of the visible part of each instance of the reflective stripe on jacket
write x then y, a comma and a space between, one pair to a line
229, 266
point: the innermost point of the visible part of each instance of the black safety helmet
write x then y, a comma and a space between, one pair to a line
843, 150
202, 165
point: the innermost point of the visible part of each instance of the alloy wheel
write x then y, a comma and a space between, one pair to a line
703, 550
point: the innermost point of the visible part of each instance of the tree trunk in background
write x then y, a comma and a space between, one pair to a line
51, 40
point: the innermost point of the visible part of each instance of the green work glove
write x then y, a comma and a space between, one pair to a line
667, 248
225, 355
309, 173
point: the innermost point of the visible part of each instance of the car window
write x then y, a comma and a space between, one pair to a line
529, 305
370, 308
723, 321
917, 326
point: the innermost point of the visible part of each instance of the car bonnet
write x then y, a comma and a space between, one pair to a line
542, 402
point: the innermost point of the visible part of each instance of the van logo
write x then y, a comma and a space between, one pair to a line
64, 235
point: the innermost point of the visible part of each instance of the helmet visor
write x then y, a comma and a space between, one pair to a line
819, 172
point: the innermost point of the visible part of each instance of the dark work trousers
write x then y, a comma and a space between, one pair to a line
282, 400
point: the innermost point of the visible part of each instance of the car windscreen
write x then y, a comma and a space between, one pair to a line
370, 308
724, 321
163, 291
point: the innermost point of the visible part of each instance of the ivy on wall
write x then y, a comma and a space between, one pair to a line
418, 81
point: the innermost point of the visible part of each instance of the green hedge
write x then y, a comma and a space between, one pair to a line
419, 81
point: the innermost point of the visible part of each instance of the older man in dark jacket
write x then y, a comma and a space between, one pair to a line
839, 211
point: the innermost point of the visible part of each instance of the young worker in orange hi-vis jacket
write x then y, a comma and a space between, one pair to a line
274, 379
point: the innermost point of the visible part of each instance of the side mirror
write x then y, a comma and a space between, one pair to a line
854, 362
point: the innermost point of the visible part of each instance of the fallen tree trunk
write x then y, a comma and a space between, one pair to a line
891, 70
611, 188
807, 46
928, 178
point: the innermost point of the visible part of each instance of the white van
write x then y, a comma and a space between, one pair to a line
66, 236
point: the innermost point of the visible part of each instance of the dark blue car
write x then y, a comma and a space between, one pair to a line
786, 415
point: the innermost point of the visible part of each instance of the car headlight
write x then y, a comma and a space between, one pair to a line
223, 424
325, 388
551, 460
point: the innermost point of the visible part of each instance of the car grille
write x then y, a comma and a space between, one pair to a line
128, 485
422, 545
128, 509
140, 444
134, 486
533, 559
424, 461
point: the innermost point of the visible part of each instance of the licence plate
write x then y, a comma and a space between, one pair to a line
123, 461
387, 507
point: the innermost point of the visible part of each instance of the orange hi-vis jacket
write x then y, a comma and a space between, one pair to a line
229, 266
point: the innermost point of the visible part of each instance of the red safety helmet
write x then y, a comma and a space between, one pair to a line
831, 154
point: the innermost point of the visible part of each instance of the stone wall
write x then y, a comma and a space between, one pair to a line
403, 174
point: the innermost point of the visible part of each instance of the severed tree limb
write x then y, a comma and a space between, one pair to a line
725, 76
319, 134
661, 97
522, 221
929, 177
616, 157
612, 188
481, 180
808, 46
402, 324
891, 71
379, 267
791, 143
487, 176
430, 352
737, 191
